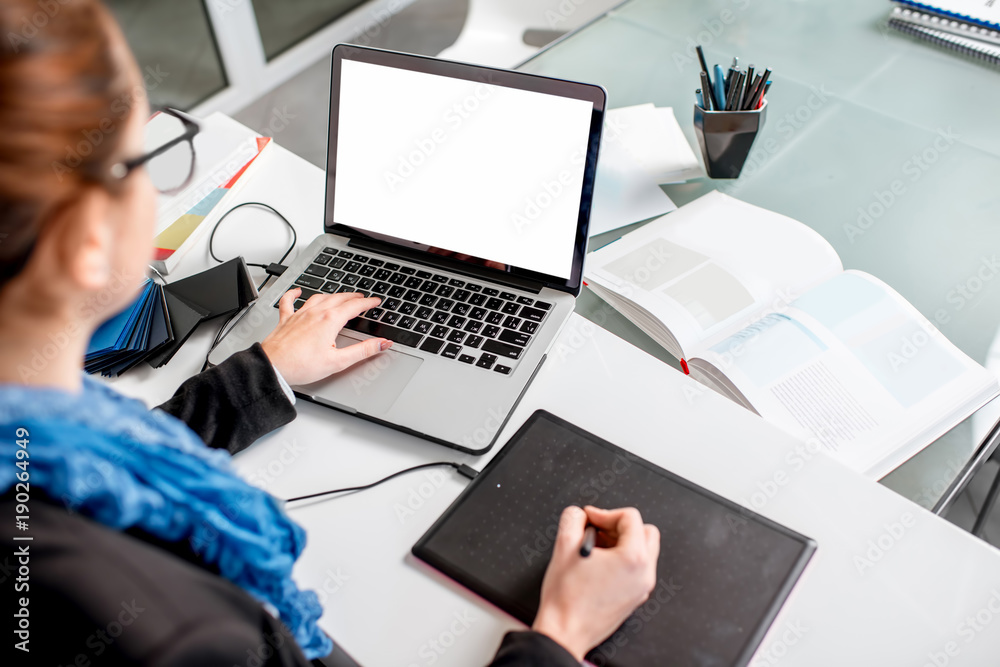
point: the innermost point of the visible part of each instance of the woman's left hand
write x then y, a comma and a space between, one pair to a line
303, 347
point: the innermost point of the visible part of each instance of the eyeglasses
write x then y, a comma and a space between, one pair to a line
170, 155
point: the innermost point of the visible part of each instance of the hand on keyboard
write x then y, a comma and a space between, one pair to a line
303, 345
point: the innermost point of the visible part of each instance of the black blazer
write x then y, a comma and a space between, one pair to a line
102, 597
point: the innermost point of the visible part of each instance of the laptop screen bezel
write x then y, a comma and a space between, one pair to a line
596, 95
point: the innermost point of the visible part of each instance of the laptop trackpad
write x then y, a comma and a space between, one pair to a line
371, 386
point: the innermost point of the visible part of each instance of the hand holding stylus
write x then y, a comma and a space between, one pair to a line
585, 599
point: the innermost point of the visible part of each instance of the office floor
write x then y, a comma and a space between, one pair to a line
295, 113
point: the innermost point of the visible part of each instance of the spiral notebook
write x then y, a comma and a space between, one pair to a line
984, 13
932, 21
965, 46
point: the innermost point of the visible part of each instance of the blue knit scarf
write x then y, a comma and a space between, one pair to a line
109, 458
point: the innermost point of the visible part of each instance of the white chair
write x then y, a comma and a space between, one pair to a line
494, 29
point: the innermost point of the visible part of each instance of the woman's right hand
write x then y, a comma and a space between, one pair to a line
303, 347
584, 600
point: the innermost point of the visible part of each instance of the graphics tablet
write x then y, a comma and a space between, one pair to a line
723, 572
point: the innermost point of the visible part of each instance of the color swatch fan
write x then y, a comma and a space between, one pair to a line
163, 317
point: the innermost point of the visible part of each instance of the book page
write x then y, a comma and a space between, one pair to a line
852, 365
707, 269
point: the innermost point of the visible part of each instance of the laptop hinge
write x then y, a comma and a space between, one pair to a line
444, 263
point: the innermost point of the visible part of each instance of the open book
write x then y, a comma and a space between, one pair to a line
758, 307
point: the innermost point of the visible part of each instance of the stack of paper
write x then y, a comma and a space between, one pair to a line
643, 146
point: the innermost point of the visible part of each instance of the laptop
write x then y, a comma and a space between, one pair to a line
460, 195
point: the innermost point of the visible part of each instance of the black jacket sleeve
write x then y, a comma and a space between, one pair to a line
235, 403
532, 649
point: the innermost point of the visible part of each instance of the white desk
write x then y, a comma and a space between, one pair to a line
930, 590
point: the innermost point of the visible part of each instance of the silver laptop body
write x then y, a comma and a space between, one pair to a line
461, 196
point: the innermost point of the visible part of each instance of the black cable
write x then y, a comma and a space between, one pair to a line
295, 238
462, 468
266, 267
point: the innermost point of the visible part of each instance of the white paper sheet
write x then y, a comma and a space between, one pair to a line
643, 146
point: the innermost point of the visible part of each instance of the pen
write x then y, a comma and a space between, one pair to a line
589, 541
763, 92
764, 79
699, 100
706, 85
701, 59
746, 90
752, 92
734, 91
720, 89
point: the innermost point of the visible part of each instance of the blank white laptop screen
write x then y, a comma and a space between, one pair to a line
464, 166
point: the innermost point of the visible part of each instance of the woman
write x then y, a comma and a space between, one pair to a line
145, 547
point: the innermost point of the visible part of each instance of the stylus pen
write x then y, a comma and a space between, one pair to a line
752, 92
720, 89
759, 93
701, 59
746, 89
589, 541
706, 85
733, 90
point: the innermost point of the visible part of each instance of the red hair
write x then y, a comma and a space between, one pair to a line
64, 99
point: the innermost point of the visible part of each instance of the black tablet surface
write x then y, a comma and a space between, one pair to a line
723, 572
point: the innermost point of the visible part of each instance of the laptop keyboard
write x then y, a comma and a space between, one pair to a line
472, 323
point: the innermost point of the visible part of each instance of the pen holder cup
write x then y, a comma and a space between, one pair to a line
726, 138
